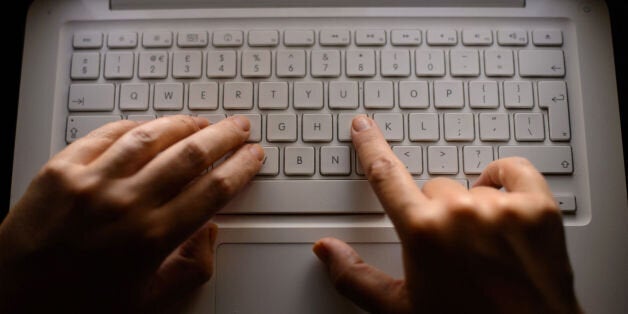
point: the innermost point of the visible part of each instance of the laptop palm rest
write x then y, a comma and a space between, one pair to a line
287, 278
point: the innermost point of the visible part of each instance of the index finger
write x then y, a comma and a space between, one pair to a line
515, 174
395, 188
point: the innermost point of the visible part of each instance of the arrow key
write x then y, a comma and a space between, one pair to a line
566, 203
411, 156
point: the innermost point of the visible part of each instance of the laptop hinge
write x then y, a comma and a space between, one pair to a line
189, 4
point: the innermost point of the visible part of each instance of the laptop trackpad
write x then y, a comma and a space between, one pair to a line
287, 278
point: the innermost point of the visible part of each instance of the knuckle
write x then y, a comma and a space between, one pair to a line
381, 167
224, 186
343, 279
142, 137
194, 153
185, 121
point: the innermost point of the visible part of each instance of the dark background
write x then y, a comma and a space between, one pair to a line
11, 65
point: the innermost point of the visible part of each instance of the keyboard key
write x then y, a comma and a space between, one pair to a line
430, 62
448, 94
464, 62
91, 97
291, 63
529, 127
499, 63
203, 96
483, 94
547, 37
263, 38
281, 128
227, 38
360, 63
168, 96
317, 128
566, 203
518, 95
343, 95
494, 127
442, 37
187, 64
238, 95
191, 39
405, 37
395, 63
391, 125
345, 121
122, 40
157, 39
553, 96
370, 37
411, 157
334, 37
459, 127
79, 126
413, 94
335, 160
299, 161
442, 159
255, 133
541, 63
256, 63
423, 127
213, 118
153, 65
119, 65
87, 40
378, 95
514, 37
325, 63
308, 95
477, 37
221, 64
270, 164
141, 117
134, 96
293, 38
273, 95
476, 158
85, 66
546, 159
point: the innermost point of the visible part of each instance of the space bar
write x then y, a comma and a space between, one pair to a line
305, 196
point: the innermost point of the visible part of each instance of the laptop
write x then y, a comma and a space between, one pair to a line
453, 84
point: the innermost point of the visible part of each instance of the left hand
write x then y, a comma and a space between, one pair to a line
117, 221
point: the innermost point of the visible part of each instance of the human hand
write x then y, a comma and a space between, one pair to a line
477, 250
118, 219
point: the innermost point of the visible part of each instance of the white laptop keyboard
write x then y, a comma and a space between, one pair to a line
448, 101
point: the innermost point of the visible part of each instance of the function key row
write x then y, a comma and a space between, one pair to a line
327, 37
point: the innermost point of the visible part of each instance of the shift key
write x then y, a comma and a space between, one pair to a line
546, 159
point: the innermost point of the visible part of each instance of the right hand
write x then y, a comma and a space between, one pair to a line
480, 250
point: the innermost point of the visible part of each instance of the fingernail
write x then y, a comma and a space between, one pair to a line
201, 122
321, 251
257, 151
242, 122
361, 123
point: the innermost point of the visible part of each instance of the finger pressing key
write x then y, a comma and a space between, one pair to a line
166, 174
392, 183
515, 174
141, 144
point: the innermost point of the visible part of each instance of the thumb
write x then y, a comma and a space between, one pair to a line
188, 267
365, 285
